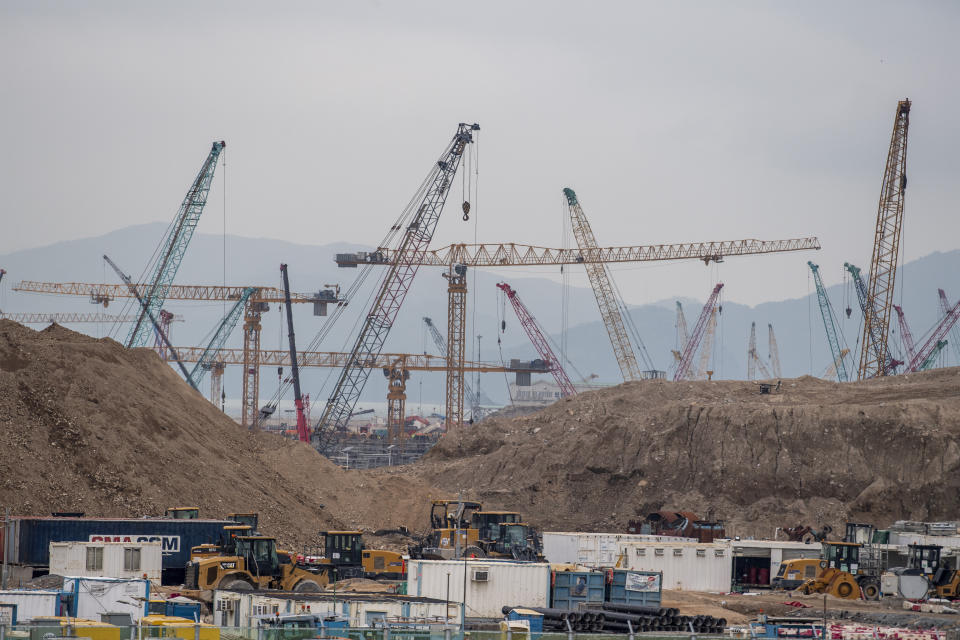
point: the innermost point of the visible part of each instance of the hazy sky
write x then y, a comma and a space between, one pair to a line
674, 121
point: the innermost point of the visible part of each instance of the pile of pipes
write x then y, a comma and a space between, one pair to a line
624, 618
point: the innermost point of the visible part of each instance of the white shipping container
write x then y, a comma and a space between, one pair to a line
107, 559
685, 566
237, 609
32, 604
94, 596
490, 584
593, 549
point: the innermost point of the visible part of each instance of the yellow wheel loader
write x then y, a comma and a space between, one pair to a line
255, 563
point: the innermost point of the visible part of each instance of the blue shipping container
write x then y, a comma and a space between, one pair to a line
573, 587
636, 587
28, 540
533, 617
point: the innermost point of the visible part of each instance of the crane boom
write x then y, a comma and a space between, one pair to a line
954, 334
224, 329
932, 358
441, 343
829, 323
156, 325
686, 359
682, 334
510, 254
937, 335
394, 287
906, 336
886, 250
174, 246
70, 318
532, 328
863, 297
600, 282
774, 352
838, 361
706, 346
303, 433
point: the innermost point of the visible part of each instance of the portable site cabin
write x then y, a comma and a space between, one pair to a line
23, 605
107, 559
90, 597
593, 549
242, 608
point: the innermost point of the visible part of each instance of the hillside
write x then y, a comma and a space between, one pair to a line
815, 452
86, 425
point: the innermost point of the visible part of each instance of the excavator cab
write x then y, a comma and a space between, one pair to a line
926, 558
487, 523
518, 541
343, 548
249, 519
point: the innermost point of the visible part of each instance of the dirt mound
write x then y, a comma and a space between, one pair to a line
86, 425
814, 452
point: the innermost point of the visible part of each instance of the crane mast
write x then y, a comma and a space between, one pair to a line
906, 336
932, 343
532, 328
753, 358
682, 334
829, 323
886, 249
393, 289
838, 362
600, 282
863, 298
954, 334
303, 433
224, 329
686, 358
441, 343
706, 347
174, 246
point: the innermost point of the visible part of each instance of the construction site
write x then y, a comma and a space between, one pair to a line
434, 436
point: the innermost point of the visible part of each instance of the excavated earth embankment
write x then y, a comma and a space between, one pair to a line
86, 425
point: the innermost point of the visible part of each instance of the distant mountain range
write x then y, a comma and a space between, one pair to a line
797, 323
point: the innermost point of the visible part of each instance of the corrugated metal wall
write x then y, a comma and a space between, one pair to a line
31, 604
689, 567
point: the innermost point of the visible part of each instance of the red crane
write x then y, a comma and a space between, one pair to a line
303, 433
536, 336
686, 358
935, 337
906, 336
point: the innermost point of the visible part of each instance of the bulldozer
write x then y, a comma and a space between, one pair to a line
254, 563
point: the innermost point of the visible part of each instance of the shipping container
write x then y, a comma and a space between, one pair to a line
32, 604
570, 588
642, 588
28, 538
106, 559
593, 549
241, 608
92, 596
490, 584
685, 566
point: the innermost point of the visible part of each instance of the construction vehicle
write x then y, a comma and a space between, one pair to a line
685, 362
925, 558
225, 547
346, 553
255, 563
503, 535
682, 524
847, 569
183, 513
462, 529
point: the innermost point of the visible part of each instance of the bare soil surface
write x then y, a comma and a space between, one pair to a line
86, 425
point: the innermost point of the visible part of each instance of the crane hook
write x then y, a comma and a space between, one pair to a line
466, 211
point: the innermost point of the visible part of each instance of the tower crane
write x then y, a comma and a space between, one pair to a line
514, 255
682, 333
393, 289
774, 352
906, 336
863, 297
256, 305
303, 432
165, 319
686, 359
174, 246
954, 334
603, 289
829, 323
706, 347
886, 249
532, 328
753, 358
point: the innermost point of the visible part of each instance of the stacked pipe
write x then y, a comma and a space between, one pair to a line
618, 618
